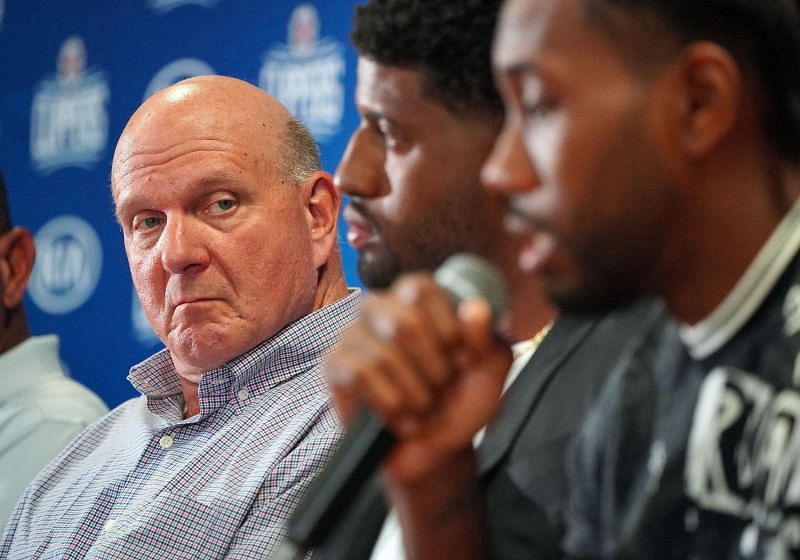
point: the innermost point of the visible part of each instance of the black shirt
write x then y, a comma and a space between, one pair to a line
696, 458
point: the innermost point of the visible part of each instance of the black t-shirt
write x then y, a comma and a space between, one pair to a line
685, 458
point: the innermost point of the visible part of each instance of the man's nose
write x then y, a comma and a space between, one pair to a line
509, 168
361, 171
183, 246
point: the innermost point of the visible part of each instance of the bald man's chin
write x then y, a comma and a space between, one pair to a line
197, 350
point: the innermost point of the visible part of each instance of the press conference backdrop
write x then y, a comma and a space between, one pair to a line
72, 72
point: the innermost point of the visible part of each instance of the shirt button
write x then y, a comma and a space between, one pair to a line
243, 394
109, 524
166, 442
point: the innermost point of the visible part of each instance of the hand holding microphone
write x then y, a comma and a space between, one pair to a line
426, 358
418, 375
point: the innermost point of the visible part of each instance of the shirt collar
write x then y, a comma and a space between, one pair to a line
713, 332
267, 365
28, 362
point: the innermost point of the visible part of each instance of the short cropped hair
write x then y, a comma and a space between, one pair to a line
762, 35
5, 213
301, 157
447, 41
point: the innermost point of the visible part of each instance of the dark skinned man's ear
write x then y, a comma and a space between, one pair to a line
17, 254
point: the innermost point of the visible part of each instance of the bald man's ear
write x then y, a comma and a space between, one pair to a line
322, 203
16, 262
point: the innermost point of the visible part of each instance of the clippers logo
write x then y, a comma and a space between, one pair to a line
69, 116
307, 73
176, 71
69, 260
161, 7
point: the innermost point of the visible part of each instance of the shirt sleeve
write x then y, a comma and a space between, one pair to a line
34, 446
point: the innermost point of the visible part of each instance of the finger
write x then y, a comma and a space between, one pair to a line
339, 373
355, 382
367, 370
476, 324
409, 328
437, 314
420, 290
391, 361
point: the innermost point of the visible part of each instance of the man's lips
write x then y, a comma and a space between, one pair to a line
535, 253
359, 232
183, 302
538, 247
518, 222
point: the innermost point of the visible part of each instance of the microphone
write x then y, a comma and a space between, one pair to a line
367, 441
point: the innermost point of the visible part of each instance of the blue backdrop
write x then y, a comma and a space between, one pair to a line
72, 72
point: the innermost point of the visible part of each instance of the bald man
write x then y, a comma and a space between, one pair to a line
229, 227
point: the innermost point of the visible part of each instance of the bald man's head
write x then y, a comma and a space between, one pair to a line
229, 223
222, 107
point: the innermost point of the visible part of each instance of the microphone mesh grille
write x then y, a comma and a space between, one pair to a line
465, 276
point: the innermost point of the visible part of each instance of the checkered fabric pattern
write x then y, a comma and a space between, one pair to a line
143, 483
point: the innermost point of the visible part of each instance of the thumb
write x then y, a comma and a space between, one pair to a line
476, 318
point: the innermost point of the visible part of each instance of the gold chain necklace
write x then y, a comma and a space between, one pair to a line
530, 345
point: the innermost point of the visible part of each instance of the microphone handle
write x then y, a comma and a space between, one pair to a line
360, 452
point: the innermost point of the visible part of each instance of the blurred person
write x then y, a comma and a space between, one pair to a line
41, 408
651, 147
229, 227
412, 174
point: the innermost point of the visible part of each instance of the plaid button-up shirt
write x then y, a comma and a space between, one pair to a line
143, 483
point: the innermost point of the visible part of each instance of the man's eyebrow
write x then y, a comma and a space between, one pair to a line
123, 207
206, 184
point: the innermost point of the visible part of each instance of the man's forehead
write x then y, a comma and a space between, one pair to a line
385, 84
133, 157
522, 27
209, 106
183, 129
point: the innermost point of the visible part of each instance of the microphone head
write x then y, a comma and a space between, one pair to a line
465, 275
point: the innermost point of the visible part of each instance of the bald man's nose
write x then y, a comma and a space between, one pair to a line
183, 246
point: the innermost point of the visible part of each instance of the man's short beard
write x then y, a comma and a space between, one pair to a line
377, 269
601, 289
591, 300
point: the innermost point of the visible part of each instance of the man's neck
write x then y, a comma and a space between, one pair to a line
529, 310
331, 285
15, 331
191, 401
190, 384
721, 237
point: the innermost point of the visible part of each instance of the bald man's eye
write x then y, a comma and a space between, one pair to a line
145, 223
221, 206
